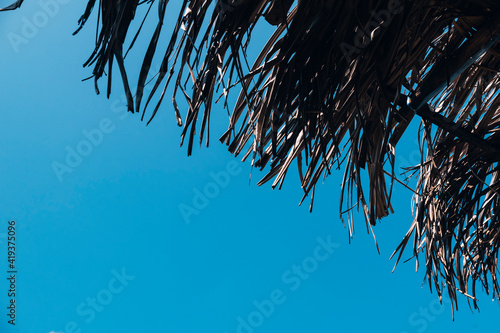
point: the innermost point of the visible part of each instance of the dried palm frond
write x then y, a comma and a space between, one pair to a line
339, 82
457, 223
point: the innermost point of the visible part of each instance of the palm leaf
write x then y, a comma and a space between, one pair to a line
338, 83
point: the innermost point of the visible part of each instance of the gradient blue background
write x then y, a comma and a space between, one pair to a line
119, 209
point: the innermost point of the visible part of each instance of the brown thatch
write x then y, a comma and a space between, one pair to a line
340, 81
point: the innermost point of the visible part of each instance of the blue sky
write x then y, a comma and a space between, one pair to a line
105, 246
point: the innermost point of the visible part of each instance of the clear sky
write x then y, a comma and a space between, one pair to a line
113, 235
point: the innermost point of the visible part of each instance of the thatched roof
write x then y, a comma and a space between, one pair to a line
340, 81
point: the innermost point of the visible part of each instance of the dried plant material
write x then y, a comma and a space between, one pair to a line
339, 82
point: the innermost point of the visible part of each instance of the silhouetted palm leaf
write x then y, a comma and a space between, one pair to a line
15, 5
340, 81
